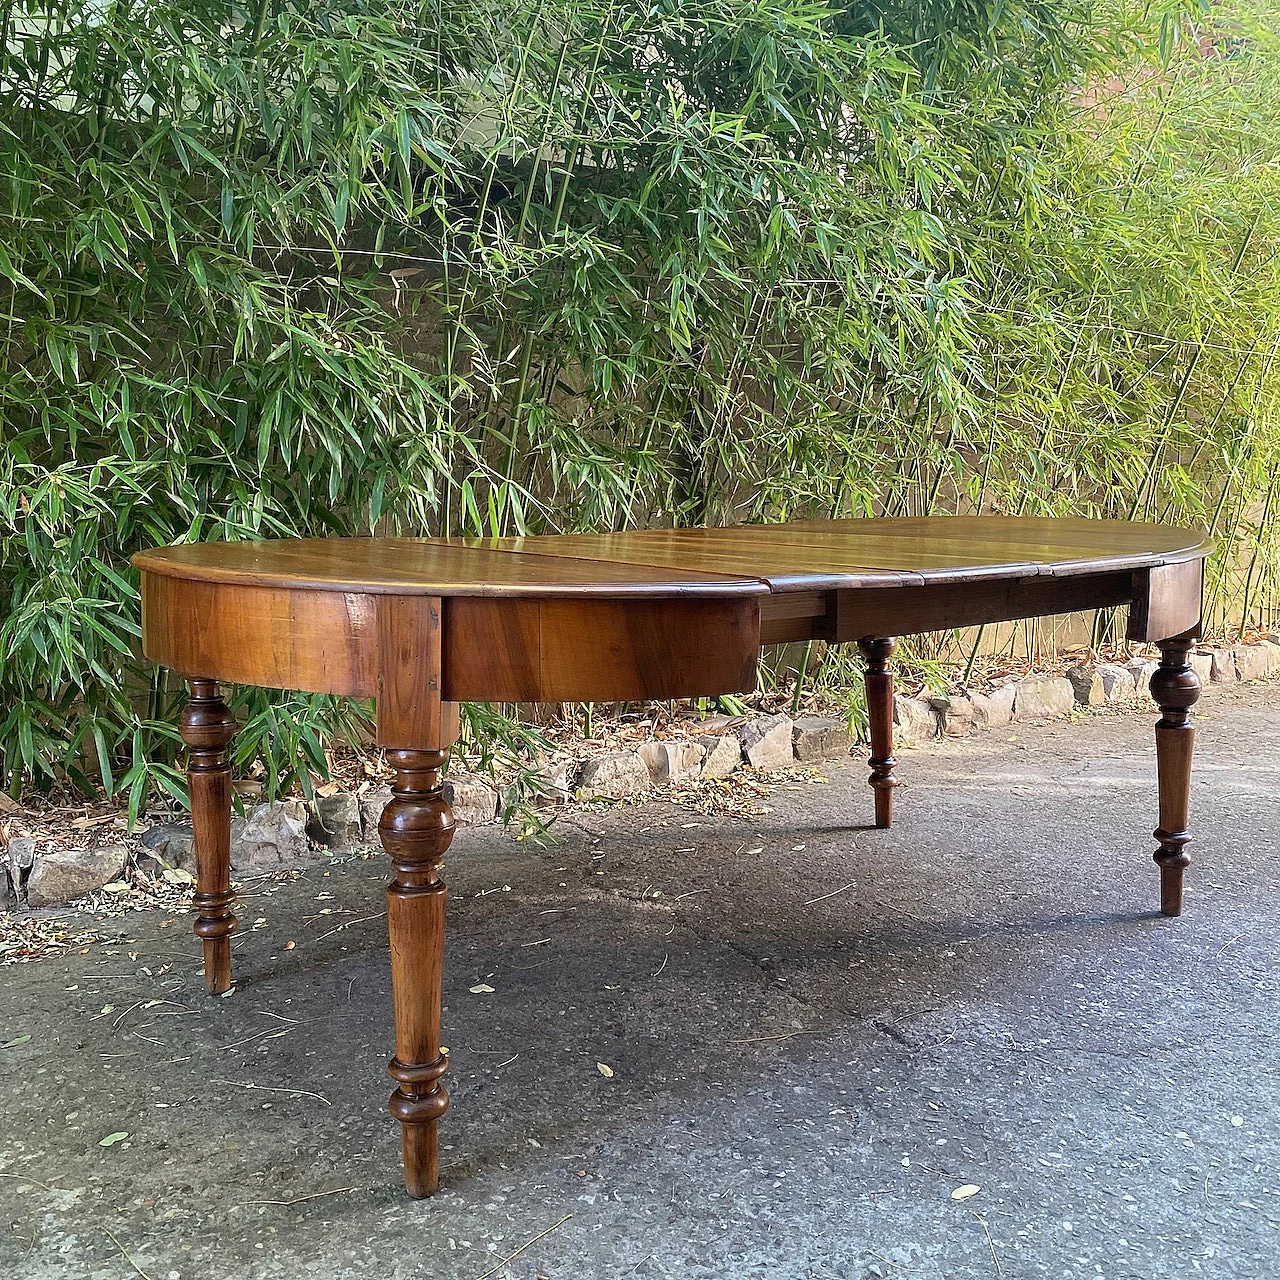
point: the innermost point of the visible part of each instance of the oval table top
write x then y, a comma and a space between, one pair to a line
739, 560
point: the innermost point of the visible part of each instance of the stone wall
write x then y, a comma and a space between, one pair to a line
274, 837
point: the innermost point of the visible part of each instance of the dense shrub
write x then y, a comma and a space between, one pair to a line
573, 264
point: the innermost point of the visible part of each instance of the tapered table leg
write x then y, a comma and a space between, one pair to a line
416, 829
1175, 688
207, 727
879, 680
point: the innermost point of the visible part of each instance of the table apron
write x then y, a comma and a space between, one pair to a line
270, 637
493, 649
598, 650
582, 649
1165, 601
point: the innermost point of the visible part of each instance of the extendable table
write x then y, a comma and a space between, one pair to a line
421, 624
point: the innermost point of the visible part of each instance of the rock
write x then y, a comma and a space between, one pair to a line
956, 714
1142, 670
270, 837
766, 742
1201, 661
1272, 650
820, 738
672, 761
611, 777
1041, 696
716, 725
1088, 686
172, 845
335, 821
554, 785
1251, 662
1118, 684
1223, 666
471, 798
723, 755
914, 720
21, 855
994, 710
67, 874
372, 803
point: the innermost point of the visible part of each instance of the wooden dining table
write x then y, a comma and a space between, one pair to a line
422, 624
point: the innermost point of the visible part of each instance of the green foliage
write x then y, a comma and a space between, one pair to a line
374, 265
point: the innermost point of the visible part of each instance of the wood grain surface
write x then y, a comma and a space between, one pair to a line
271, 637
553, 617
743, 559
426, 566
563, 650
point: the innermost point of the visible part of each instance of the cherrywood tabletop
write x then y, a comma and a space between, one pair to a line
739, 560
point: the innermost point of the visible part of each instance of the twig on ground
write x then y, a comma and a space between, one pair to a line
315, 1195
982, 1222
898, 1265
115, 1026
1229, 941
832, 894
914, 1013
806, 1031
270, 1033
266, 1088
127, 1255
346, 924
35, 1182
493, 1271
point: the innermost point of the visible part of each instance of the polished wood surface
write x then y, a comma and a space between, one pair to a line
412, 709
428, 566
743, 558
416, 830
1175, 688
1166, 600
421, 624
861, 553
878, 652
272, 637
207, 727
584, 650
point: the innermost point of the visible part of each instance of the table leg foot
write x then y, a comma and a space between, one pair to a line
207, 728
416, 830
879, 681
419, 1141
1175, 688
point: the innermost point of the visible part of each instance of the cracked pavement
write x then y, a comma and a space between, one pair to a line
817, 1032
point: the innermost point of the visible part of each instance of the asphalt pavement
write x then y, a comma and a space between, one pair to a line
784, 1046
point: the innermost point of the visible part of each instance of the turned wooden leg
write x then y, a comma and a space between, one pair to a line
879, 681
207, 728
1175, 688
416, 828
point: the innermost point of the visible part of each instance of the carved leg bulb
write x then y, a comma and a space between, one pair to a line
1175, 688
416, 829
207, 727
879, 681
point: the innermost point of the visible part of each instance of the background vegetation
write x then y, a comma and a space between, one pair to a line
521, 265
